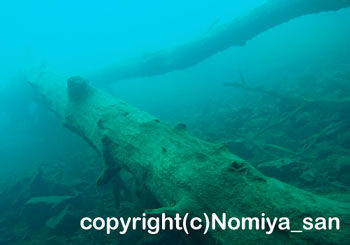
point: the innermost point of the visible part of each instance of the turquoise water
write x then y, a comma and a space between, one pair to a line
307, 57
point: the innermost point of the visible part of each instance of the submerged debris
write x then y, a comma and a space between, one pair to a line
78, 88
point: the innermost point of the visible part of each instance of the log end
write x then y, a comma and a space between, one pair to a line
78, 88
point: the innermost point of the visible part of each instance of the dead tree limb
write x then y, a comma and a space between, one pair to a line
304, 103
234, 33
326, 106
184, 173
265, 91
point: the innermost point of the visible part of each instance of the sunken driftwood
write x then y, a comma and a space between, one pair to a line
184, 173
302, 104
325, 105
234, 33
305, 103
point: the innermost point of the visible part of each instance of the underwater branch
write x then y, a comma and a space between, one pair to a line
235, 33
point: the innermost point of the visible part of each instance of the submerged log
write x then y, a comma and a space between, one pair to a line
184, 173
235, 33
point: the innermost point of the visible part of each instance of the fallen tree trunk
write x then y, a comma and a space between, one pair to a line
235, 33
184, 173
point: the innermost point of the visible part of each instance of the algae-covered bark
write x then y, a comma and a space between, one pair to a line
184, 173
235, 33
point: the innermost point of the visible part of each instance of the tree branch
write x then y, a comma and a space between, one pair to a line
235, 33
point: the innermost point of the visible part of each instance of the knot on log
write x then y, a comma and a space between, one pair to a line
238, 166
78, 88
180, 127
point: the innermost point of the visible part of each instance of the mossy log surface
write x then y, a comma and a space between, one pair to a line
184, 173
235, 33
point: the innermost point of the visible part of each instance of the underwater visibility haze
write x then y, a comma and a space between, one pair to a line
138, 108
